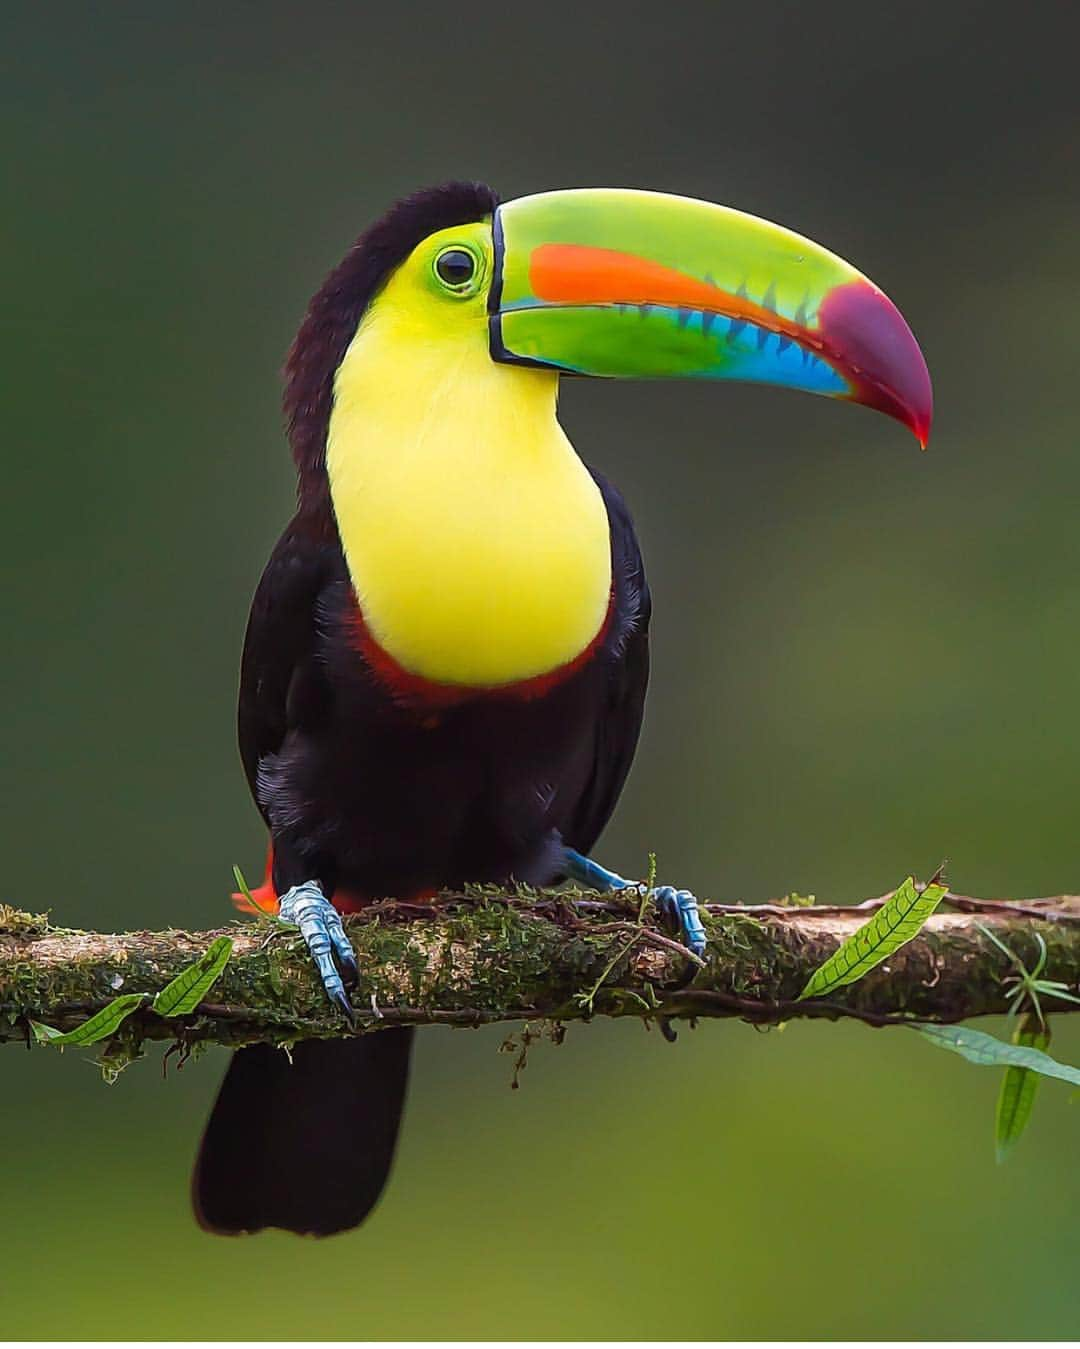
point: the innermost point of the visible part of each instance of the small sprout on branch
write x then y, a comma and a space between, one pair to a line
637, 931
648, 888
1027, 983
244, 888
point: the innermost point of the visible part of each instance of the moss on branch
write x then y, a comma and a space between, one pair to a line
486, 955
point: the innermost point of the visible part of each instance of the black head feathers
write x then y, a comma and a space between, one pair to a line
336, 308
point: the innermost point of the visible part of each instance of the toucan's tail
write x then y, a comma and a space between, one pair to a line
305, 1145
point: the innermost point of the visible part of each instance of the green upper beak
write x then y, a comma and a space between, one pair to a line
622, 283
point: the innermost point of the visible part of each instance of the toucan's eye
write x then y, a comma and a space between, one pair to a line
455, 268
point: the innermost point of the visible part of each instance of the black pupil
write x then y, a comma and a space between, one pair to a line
455, 266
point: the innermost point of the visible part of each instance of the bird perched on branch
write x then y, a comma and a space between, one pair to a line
447, 654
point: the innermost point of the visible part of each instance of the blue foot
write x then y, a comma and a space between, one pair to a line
320, 926
682, 908
678, 905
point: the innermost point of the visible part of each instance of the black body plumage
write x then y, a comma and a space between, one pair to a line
372, 791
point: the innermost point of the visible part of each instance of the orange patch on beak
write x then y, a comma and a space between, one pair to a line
573, 274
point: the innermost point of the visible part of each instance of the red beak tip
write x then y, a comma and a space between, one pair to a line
871, 337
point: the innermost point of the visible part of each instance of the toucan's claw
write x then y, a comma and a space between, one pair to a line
681, 908
346, 1007
321, 928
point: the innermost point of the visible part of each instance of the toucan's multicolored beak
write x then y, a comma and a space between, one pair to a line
616, 282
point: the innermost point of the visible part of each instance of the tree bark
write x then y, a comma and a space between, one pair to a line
485, 956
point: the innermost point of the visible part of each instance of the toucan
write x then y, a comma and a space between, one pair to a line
446, 659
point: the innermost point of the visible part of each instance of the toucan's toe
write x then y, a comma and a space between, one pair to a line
681, 907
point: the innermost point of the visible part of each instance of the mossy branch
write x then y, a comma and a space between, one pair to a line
486, 955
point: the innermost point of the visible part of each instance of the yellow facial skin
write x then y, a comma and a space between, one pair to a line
476, 540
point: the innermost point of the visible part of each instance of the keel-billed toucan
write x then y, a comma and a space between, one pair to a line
446, 659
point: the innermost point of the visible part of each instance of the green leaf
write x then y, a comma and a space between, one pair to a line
978, 1047
97, 1027
1018, 1088
184, 993
894, 924
243, 887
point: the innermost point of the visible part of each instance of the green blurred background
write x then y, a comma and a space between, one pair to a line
865, 659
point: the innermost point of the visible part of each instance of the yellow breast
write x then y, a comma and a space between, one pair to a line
476, 540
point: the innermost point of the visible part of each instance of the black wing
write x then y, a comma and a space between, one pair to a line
281, 686
626, 655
